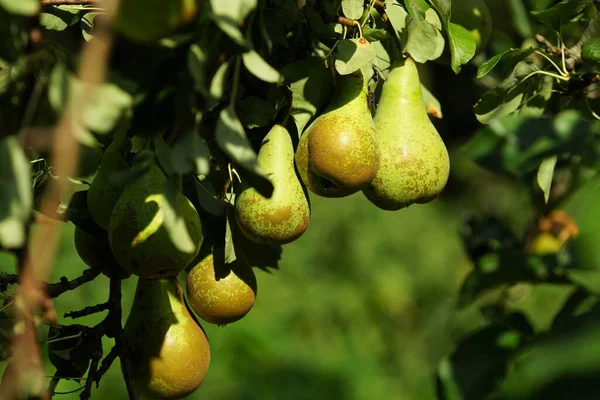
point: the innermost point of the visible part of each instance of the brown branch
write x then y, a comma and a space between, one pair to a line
69, 2
105, 366
54, 290
34, 266
87, 391
88, 311
346, 22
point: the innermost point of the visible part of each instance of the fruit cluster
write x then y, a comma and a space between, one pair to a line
396, 158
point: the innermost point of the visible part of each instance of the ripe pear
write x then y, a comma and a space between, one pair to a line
414, 160
136, 232
284, 216
95, 252
221, 293
150, 20
102, 194
169, 350
337, 154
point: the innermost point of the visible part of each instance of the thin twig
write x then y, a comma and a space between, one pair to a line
69, 2
52, 386
105, 366
89, 310
87, 391
56, 289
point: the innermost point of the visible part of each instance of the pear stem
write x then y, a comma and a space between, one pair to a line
360, 32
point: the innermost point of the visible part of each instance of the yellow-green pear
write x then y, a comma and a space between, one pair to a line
414, 164
338, 154
169, 352
137, 235
221, 293
284, 216
102, 194
151, 20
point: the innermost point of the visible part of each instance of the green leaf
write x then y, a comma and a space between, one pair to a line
353, 9
231, 138
373, 35
27, 8
481, 359
227, 15
260, 68
353, 54
87, 25
16, 198
433, 18
311, 84
209, 199
507, 96
591, 50
560, 13
230, 250
397, 16
545, 175
417, 8
190, 153
58, 18
197, 64
509, 59
218, 85
256, 112
382, 60
461, 43
173, 222
462, 46
425, 41
432, 104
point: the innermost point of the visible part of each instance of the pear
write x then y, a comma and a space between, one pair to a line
169, 350
102, 194
414, 160
221, 293
95, 252
147, 21
284, 216
136, 232
337, 154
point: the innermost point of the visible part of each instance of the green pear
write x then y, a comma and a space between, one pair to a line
221, 293
284, 216
102, 194
95, 252
414, 161
136, 232
338, 154
169, 351
150, 20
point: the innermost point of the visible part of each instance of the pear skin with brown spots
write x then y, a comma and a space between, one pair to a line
338, 154
414, 165
221, 293
169, 351
285, 216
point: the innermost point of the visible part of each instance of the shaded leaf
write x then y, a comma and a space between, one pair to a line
353, 9
231, 138
545, 175
560, 13
509, 59
16, 197
173, 222
311, 85
190, 153
256, 112
353, 54
425, 41
197, 64
58, 18
259, 67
